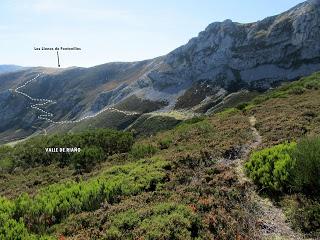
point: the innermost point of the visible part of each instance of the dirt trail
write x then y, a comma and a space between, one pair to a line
272, 220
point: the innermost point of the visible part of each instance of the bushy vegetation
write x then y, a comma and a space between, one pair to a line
288, 167
163, 221
195, 197
143, 150
295, 88
292, 168
56, 202
217, 204
185, 131
87, 158
271, 167
242, 106
194, 120
303, 213
11, 229
94, 144
307, 161
165, 143
148, 125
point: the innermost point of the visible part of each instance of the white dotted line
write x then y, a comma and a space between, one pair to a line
47, 116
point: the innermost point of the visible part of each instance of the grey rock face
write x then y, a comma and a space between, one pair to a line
278, 48
232, 56
106, 98
316, 2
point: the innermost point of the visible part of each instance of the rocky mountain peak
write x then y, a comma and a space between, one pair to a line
255, 54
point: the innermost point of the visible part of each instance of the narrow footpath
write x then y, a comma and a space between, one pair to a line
272, 221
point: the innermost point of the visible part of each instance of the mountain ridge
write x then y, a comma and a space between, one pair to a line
7, 68
225, 58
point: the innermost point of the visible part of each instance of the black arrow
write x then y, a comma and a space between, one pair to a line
58, 59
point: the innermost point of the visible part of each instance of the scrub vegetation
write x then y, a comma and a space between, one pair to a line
183, 183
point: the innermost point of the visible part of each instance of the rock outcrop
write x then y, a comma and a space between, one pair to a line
254, 56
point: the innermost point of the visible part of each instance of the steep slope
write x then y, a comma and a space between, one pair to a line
200, 76
75, 93
230, 56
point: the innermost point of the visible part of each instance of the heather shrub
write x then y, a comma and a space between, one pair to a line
307, 165
12, 229
303, 214
57, 201
165, 143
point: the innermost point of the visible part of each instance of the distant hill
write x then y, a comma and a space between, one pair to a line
9, 68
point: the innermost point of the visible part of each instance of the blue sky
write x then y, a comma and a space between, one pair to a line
121, 30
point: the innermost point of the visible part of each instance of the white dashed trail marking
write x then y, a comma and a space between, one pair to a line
40, 103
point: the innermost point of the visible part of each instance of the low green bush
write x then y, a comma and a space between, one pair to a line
193, 120
292, 168
296, 87
186, 131
271, 168
227, 112
7, 207
288, 167
242, 106
56, 202
12, 229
